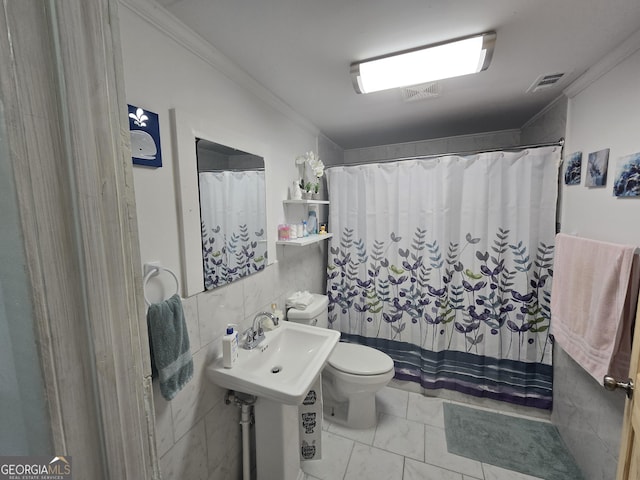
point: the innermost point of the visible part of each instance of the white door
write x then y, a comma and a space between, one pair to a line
629, 458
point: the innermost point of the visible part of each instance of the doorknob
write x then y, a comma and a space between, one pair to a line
611, 383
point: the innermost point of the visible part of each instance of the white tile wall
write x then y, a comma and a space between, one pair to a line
224, 435
219, 307
187, 459
198, 397
198, 435
164, 422
588, 417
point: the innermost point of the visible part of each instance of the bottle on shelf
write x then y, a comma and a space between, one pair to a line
312, 222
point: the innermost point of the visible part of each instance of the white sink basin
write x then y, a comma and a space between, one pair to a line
282, 367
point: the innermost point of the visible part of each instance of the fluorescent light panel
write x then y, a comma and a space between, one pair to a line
425, 64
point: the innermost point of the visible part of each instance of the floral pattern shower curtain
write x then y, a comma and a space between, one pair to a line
445, 264
232, 214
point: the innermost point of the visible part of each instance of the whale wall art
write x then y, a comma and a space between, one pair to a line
145, 137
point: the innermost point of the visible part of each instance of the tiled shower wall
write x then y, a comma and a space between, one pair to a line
587, 416
602, 113
198, 435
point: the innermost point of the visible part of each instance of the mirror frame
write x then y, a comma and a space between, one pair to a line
186, 127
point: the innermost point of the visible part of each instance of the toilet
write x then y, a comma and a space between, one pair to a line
353, 373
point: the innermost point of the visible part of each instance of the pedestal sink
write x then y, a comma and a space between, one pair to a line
279, 371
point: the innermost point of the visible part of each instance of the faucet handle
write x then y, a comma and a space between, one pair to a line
252, 337
248, 333
249, 336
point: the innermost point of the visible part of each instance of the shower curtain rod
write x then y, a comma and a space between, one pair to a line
559, 143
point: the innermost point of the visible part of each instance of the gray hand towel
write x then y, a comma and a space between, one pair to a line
171, 358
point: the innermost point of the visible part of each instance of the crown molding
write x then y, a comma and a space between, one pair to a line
160, 18
627, 48
542, 112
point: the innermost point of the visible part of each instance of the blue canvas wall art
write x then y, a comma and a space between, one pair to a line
145, 137
627, 181
597, 166
573, 172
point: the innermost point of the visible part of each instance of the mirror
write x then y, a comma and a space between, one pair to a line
232, 212
186, 128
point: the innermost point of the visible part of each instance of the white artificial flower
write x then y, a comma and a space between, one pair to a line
314, 162
317, 166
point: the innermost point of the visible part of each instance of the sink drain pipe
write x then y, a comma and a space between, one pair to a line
245, 402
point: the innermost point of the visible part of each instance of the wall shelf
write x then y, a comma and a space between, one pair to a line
301, 242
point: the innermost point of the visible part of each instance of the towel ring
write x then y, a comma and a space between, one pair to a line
153, 271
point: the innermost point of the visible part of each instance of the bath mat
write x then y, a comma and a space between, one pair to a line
526, 446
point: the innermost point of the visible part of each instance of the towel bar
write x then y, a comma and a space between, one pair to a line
151, 270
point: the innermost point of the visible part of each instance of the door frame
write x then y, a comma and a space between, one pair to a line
629, 441
62, 94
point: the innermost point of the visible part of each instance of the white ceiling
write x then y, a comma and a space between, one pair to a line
301, 51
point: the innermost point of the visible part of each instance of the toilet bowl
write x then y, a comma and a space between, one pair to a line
353, 373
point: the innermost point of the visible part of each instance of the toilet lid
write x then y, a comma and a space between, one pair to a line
359, 360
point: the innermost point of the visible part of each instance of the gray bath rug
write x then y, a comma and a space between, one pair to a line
525, 446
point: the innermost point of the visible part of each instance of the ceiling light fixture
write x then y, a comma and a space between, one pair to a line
425, 64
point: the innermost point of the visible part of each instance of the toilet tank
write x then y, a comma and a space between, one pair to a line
316, 313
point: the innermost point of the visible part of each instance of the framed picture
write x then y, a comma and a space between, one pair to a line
573, 171
597, 166
145, 137
627, 180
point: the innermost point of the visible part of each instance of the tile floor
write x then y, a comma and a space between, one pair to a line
407, 444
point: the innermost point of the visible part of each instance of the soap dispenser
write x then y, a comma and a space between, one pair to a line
229, 347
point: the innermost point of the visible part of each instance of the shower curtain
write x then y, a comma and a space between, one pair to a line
445, 264
233, 216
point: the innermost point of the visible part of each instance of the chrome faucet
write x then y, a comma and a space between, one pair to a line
255, 334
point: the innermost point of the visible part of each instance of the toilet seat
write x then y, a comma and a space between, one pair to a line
359, 360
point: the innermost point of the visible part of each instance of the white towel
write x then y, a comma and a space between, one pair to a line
300, 300
310, 414
595, 287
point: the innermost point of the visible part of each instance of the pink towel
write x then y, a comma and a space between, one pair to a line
595, 287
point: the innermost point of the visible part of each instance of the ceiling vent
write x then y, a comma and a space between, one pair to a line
545, 81
421, 92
